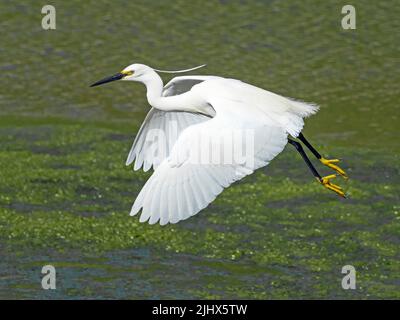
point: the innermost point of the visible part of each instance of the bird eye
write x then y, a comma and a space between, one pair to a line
127, 73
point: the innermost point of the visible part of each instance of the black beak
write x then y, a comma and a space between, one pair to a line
115, 77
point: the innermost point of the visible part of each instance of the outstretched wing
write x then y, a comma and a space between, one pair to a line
205, 160
158, 134
160, 129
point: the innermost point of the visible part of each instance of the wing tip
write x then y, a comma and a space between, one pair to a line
135, 210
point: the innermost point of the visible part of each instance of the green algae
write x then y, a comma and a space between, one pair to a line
278, 228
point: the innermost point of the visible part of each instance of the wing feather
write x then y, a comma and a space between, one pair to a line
151, 146
179, 85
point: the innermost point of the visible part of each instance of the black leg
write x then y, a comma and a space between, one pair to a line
309, 146
300, 149
325, 181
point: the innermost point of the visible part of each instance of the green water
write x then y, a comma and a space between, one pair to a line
65, 193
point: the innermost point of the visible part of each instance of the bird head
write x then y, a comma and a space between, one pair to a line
139, 72
134, 72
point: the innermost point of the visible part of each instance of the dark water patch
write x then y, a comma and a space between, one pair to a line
88, 191
62, 166
135, 274
53, 151
8, 67
46, 181
100, 203
376, 173
47, 206
201, 222
294, 202
92, 214
28, 134
395, 239
118, 137
127, 179
27, 207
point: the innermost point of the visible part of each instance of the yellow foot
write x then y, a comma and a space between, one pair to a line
325, 181
331, 164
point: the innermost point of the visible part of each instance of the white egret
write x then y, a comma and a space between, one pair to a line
212, 107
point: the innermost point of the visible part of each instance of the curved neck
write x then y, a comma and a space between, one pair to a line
154, 86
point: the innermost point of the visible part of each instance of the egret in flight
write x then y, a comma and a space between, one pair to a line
220, 111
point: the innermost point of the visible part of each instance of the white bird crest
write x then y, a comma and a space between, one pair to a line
180, 71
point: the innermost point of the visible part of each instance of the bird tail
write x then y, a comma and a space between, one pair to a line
303, 109
293, 120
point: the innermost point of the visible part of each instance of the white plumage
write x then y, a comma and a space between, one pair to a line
211, 109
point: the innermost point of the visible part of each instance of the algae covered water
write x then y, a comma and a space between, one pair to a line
65, 192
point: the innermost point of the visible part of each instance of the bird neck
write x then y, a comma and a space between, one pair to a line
154, 86
180, 102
